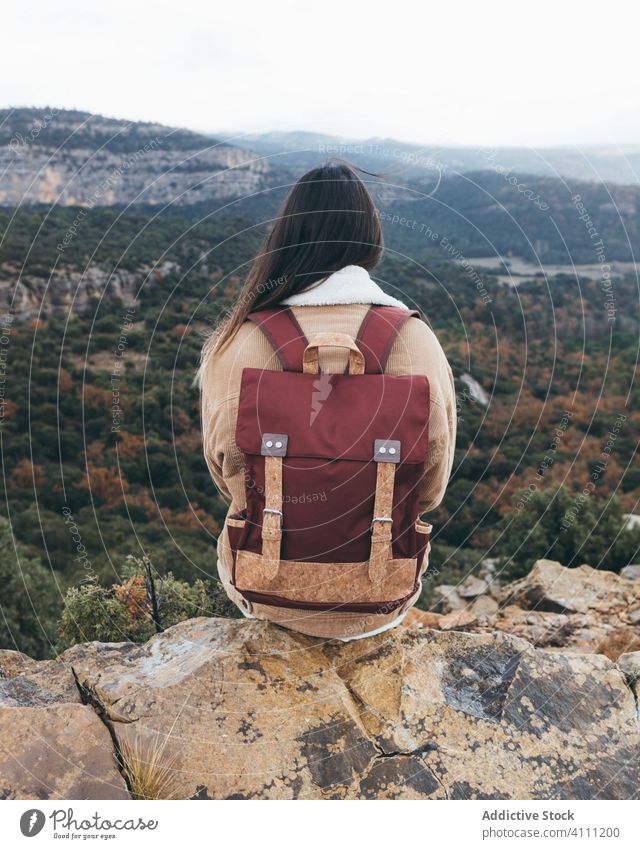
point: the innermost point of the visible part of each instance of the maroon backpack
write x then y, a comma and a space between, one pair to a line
333, 464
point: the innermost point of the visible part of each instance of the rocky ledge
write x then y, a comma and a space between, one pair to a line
218, 709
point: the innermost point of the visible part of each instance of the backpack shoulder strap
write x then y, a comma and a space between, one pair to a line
284, 333
378, 332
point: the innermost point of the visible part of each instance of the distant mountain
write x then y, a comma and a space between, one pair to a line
471, 199
76, 158
411, 161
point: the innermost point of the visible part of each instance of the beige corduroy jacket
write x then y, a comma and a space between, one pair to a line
415, 351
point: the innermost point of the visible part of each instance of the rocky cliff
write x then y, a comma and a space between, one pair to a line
69, 158
242, 709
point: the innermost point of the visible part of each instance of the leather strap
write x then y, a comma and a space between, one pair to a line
272, 516
381, 526
285, 335
378, 332
311, 358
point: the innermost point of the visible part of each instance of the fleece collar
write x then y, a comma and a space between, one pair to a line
351, 285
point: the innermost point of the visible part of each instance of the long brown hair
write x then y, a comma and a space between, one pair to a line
328, 221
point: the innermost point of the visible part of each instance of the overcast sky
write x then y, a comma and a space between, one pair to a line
462, 73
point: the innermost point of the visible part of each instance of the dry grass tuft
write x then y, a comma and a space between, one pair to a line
149, 773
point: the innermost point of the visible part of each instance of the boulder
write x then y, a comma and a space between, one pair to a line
239, 709
551, 587
631, 572
472, 587
422, 618
630, 666
446, 599
53, 745
484, 605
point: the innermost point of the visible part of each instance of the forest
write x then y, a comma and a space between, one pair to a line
105, 484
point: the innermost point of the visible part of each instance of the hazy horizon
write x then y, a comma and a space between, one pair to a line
461, 76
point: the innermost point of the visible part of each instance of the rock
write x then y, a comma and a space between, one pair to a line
472, 587
251, 711
550, 586
495, 590
484, 605
239, 709
488, 566
446, 599
55, 747
421, 619
634, 616
457, 619
629, 664
618, 641
29, 683
631, 572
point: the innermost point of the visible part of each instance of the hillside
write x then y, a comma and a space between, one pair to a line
75, 158
481, 205
406, 161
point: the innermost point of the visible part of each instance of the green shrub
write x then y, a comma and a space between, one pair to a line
144, 603
27, 598
570, 528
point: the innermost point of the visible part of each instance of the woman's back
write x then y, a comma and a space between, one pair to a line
377, 442
415, 351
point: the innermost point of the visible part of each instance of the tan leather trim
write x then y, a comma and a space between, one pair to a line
423, 527
325, 582
236, 523
327, 625
311, 356
272, 522
381, 531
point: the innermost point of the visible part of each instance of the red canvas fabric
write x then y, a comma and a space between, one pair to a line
332, 422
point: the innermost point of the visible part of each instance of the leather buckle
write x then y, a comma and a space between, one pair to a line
274, 512
386, 450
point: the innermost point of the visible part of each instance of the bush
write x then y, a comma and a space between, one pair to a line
27, 598
572, 529
144, 603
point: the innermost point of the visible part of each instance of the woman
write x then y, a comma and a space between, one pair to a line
316, 262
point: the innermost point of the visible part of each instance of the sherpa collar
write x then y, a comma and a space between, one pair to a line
351, 285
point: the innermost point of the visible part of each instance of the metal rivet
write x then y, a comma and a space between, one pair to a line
383, 450
391, 450
278, 444
269, 444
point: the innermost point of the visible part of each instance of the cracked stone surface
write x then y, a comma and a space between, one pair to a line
52, 746
244, 709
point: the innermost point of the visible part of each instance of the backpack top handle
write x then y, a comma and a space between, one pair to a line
311, 356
